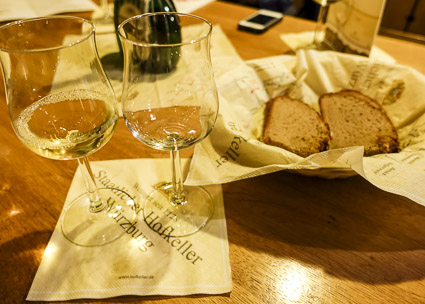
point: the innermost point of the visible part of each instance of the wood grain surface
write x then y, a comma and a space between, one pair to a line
293, 239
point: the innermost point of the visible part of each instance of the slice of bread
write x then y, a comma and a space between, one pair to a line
294, 126
355, 119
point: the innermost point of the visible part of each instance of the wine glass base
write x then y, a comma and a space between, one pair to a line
311, 46
85, 228
319, 46
178, 220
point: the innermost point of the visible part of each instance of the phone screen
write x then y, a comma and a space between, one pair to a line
261, 19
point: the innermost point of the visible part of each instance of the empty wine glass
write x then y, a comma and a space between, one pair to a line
62, 106
170, 103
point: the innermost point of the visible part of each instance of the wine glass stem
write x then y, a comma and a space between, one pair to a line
321, 21
177, 197
96, 203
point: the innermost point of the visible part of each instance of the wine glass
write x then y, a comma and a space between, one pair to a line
62, 106
321, 22
170, 103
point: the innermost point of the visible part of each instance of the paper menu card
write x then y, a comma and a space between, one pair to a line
21, 9
351, 25
142, 261
234, 150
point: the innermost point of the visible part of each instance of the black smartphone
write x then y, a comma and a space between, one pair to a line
260, 21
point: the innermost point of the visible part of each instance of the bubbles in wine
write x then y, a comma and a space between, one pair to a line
67, 124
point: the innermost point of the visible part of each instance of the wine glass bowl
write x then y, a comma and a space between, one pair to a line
62, 106
170, 103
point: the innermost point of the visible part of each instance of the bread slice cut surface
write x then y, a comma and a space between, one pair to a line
354, 119
294, 126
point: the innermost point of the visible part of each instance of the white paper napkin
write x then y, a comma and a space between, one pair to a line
188, 6
153, 265
20, 9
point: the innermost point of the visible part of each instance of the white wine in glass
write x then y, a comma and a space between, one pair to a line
87, 121
170, 103
62, 106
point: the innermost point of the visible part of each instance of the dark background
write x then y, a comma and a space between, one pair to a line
402, 19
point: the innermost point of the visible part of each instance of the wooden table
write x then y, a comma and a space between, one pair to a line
293, 239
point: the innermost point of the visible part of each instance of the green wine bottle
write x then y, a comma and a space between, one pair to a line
161, 59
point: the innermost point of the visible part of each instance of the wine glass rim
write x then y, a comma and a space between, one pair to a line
35, 50
146, 44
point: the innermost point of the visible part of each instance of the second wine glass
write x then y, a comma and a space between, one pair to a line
321, 23
170, 103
